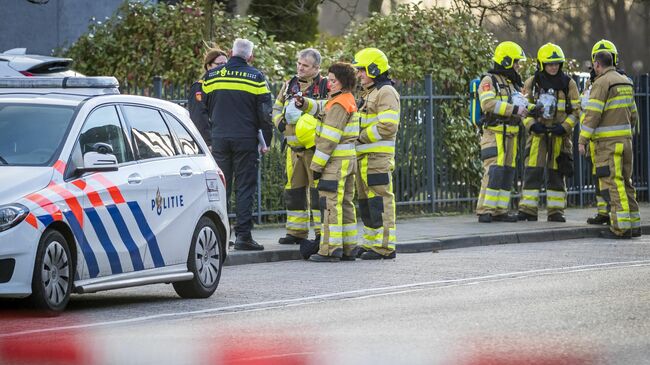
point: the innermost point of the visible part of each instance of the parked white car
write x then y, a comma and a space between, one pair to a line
101, 191
17, 63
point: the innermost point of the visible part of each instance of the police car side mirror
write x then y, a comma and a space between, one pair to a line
98, 162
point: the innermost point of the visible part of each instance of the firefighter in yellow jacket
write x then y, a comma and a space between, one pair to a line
602, 214
610, 115
379, 120
334, 165
549, 145
503, 107
300, 194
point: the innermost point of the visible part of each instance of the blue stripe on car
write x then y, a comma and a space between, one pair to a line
89, 255
136, 259
113, 258
46, 219
148, 234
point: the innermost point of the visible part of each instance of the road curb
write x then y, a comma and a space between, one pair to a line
557, 234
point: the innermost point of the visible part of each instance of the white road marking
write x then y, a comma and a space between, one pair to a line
347, 295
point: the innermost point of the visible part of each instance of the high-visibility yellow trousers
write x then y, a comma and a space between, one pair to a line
542, 153
601, 204
499, 156
300, 194
614, 170
377, 202
336, 191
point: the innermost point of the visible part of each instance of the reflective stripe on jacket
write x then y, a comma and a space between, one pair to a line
332, 140
378, 120
611, 110
238, 100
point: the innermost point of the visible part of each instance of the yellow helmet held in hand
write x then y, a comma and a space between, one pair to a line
549, 53
372, 60
604, 45
507, 53
306, 131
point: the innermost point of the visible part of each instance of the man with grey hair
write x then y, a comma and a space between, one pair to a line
242, 48
239, 103
300, 193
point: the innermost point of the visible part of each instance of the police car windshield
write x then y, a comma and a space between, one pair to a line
31, 134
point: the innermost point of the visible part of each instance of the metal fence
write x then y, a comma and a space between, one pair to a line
425, 180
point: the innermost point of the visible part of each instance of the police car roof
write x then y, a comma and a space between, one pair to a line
42, 98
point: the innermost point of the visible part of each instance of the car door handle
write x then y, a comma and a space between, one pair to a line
134, 179
186, 171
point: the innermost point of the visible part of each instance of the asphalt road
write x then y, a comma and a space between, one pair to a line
561, 302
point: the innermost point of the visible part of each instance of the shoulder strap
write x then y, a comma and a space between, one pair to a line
291, 85
568, 107
495, 82
323, 87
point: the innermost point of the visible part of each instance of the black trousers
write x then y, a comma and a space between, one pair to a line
238, 158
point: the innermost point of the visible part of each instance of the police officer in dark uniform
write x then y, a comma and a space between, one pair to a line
240, 104
196, 101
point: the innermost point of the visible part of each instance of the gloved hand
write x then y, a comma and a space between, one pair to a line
538, 128
535, 111
298, 100
520, 111
317, 175
557, 129
282, 126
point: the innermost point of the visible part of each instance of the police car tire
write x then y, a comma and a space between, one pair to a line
195, 288
53, 259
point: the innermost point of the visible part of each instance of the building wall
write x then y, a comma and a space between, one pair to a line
42, 28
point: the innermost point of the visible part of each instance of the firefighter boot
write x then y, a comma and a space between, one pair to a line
556, 217
598, 219
523, 216
372, 255
334, 257
505, 218
289, 240
611, 235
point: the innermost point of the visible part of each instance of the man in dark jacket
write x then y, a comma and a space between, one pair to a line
196, 101
239, 103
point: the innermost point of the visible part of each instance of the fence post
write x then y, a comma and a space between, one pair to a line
646, 125
259, 190
430, 140
157, 87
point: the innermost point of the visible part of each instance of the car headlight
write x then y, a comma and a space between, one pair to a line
11, 215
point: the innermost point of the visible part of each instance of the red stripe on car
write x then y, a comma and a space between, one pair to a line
59, 166
47, 205
112, 189
92, 195
31, 219
72, 202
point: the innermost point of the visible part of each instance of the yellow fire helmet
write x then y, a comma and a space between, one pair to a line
507, 53
605, 45
372, 60
306, 130
549, 53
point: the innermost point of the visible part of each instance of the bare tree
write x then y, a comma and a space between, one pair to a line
503, 10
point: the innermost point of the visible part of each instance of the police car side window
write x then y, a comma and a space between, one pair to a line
150, 133
188, 145
103, 125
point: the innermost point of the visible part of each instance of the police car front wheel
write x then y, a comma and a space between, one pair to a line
204, 261
53, 273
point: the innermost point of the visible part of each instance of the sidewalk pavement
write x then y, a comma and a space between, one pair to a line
426, 234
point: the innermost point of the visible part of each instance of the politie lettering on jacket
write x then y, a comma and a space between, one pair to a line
162, 203
224, 72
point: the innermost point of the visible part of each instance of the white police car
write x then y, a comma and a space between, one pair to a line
101, 191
